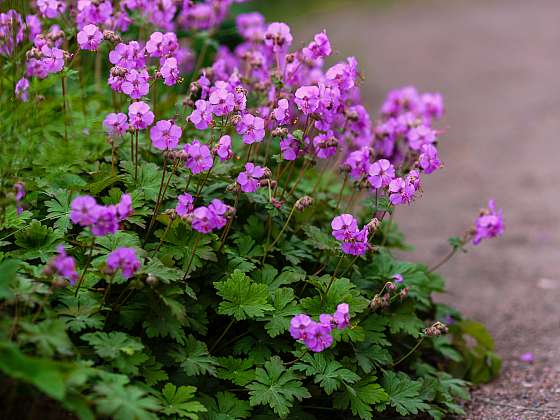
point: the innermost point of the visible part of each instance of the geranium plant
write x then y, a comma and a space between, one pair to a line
200, 225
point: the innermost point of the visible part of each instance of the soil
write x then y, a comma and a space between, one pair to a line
497, 62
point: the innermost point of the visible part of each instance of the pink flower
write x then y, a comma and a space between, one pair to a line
344, 227
429, 159
63, 265
307, 99
401, 191
170, 71
320, 47
357, 244
249, 179
325, 145
51, 8
421, 135
136, 83
139, 115
115, 124
201, 117
381, 173
124, 207
252, 128
22, 87
89, 38
289, 148
281, 112
124, 259
278, 37
199, 157
342, 316
165, 135
185, 205
83, 210
223, 148
207, 219
222, 101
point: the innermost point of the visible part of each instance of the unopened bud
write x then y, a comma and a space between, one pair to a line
376, 303
436, 329
151, 280
59, 283
390, 286
267, 173
345, 168
290, 58
403, 293
276, 202
303, 202
111, 36
280, 132
232, 188
373, 225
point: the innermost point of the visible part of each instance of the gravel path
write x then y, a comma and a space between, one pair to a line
497, 62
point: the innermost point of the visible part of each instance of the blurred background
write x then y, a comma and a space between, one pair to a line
497, 64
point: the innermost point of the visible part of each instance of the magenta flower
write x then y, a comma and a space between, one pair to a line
357, 244
136, 83
343, 75
381, 173
106, 220
251, 26
139, 115
20, 195
63, 265
218, 210
528, 357
429, 159
223, 148
342, 316
89, 38
252, 128
165, 135
124, 207
325, 145
421, 135
489, 224
207, 219
198, 157
249, 179
124, 259
201, 117
290, 148
358, 161
281, 112
83, 210
33, 26
401, 191
320, 47
398, 278
170, 71
21, 91
432, 105
307, 99
160, 45
344, 227
222, 101
185, 205
278, 37
318, 337
115, 124
51, 8
130, 56
299, 325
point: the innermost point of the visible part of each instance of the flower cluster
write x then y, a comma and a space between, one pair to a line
103, 220
489, 224
353, 241
63, 265
123, 259
204, 219
317, 335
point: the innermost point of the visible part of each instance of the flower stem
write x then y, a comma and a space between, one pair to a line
447, 257
332, 278
409, 353
158, 201
197, 240
342, 192
136, 159
222, 335
63, 83
268, 248
88, 262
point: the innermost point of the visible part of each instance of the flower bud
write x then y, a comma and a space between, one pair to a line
151, 280
404, 293
303, 202
390, 286
267, 173
373, 225
280, 132
276, 202
111, 36
59, 283
232, 188
376, 303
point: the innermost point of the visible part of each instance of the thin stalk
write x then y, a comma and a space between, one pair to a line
158, 201
332, 278
268, 248
163, 236
222, 335
409, 353
300, 176
197, 240
349, 266
230, 222
88, 262
342, 192
108, 289
449, 255
63, 83
319, 179
136, 159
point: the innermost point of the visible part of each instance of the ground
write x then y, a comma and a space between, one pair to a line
497, 62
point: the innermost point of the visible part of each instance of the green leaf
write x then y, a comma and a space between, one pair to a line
226, 406
163, 273
179, 402
194, 358
327, 372
59, 209
243, 298
404, 393
37, 241
114, 344
8, 271
361, 396
238, 371
277, 387
49, 336
125, 402
284, 309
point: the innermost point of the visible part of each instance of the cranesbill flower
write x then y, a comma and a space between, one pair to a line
432, 105
320, 47
401, 191
398, 278
290, 148
357, 244
489, 224
124, 207
249, 179
342, 316
115, 124
429, 159
307, 99
106, 220
358, 161
344, 227
399, 101
170, 71
89, 38
162, 45
198, 157
222, 101
251, 26
218, 210
223, 148
421, 135
201, 117
165, 135
63, 265
130, 56
124, 259
22, 87
251, 128
381, 173
207, 219
343, 75
278, 37
318, 337
52, 59
140, 115
51, 8
20, 195
281, 112
325, 145
136, 83
185, 205
83, 210
33, 24
299, 325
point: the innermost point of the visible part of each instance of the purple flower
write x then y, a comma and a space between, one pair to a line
318, 337
136, 83
33, 26
124, 207
160, 45
185, 205
299, 325
357, 244
419, 136
358, 161
89, 38
83, 210
249, 179
307, 99
398, 278
281, 112
342, 316
401, 191
344, 227
207, 219
165, 135
528, 357
115, 124
51, 8
124, 259
198, 157
223, 148
130, 56
222, 101
400, 101
139, 115
22, 87
320, 47
325, 145
381, 173
433, 105
251, 26
106, 220
289, 148
201, 117
343, 75
429, 159
278, 37
170, 71
252, 128
218, 210
489, 224
63, 265
20, 191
